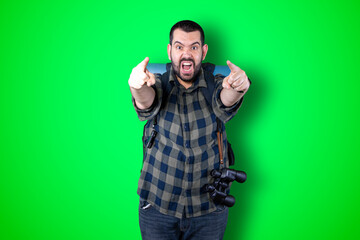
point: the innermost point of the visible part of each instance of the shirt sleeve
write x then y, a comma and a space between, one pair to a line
152, 111
223, 112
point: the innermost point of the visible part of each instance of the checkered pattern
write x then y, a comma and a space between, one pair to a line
185, 150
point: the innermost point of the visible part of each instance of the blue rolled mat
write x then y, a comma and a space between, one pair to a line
161, 68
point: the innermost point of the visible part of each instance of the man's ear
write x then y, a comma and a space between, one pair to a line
169, 51
204, 50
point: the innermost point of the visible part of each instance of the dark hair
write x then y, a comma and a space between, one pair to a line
188, 26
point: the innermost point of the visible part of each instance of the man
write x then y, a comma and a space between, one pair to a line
182, 144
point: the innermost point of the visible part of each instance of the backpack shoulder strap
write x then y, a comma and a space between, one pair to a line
208, 92
166, 85
166, 88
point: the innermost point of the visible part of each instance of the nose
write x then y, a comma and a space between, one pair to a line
187, 53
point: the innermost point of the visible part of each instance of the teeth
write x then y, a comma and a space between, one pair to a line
187, 64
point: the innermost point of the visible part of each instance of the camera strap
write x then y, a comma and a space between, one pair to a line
220, 140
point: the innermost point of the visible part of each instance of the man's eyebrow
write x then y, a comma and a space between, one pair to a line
183, 44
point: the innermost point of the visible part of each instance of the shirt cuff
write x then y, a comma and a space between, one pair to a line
229, 109
148, 113
143, 111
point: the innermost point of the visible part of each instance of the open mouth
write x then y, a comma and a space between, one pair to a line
187, 66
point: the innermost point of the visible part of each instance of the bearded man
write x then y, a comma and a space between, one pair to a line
182, 146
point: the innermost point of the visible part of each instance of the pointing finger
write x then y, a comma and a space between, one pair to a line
232, 66
143, 64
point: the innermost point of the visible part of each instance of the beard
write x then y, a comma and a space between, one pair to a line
176, 69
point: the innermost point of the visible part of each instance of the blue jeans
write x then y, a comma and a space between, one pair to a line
157, 226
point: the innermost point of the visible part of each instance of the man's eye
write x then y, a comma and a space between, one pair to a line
194, 48
178, 47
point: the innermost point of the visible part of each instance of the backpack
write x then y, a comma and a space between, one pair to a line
207, 92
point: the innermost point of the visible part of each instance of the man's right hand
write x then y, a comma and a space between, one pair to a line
141, 76
140, 83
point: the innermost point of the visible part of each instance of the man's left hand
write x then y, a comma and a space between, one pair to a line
237, 79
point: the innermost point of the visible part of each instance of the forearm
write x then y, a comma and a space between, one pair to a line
144, 96
230, 96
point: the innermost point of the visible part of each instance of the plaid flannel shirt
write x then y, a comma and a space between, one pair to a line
178, 165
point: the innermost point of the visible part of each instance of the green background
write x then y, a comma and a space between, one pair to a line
71, 148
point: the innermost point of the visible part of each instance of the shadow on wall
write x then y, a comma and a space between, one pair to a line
244, 155
238, 134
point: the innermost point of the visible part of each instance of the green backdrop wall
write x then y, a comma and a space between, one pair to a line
70, 138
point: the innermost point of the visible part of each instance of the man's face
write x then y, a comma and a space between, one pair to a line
186, 54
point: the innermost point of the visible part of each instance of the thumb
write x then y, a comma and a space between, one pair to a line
226, 84
144, 63
151, 80
232, 66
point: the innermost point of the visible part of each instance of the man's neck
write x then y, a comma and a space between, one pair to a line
185, 84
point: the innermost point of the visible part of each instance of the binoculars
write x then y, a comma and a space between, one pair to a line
223, 178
